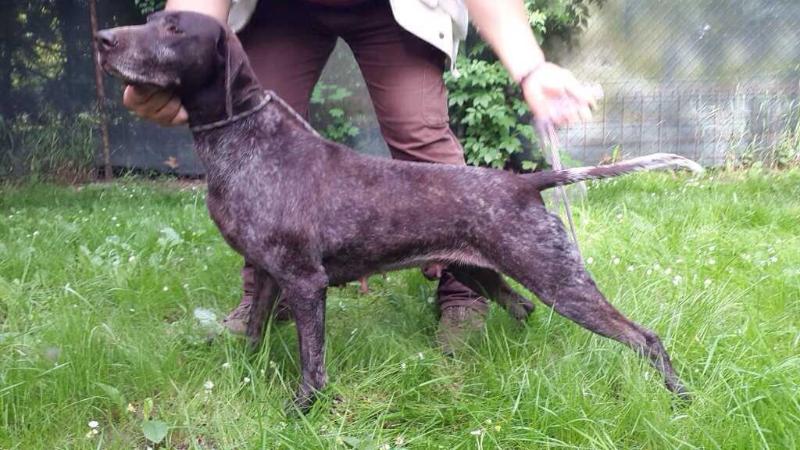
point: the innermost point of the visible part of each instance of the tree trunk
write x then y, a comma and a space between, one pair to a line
101, 96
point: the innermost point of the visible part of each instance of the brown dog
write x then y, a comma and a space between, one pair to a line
310, 213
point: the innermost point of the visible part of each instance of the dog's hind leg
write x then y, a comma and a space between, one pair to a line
491, 285
546, 262
266, 292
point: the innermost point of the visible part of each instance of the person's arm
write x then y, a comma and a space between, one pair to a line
162, 106
552, 93
217, 9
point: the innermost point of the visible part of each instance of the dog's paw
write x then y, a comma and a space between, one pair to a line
302, 402
518, 307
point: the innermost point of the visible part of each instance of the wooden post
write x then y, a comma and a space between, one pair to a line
101, 95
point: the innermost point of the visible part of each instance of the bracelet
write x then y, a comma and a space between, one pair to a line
531, 72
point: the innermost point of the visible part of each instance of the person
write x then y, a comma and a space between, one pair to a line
401, 48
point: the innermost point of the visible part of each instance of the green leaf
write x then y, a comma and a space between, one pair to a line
154, 430
351, 441
147, 407
113, 394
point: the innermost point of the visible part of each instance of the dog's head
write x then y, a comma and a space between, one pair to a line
191, 53
174, 49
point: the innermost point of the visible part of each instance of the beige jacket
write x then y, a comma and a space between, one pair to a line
441, 23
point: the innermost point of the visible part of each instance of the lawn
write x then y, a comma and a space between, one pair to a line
106, 292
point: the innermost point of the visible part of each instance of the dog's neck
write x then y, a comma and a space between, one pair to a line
234, 90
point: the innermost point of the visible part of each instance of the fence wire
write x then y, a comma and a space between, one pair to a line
712, 80
709, 79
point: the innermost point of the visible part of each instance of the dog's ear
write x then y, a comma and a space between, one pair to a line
232, 55
224, 57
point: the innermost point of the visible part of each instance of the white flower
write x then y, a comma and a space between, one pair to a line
630, 268
402, 366
420, 356
165, 289
711, 261
619, 216
246, 380
93, 424
226, 365
676, 280
208, 385
476, 432
615, 261
131, 408
589, 260
707, 283
649, 271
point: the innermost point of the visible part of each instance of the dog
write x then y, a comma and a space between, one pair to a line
310, 213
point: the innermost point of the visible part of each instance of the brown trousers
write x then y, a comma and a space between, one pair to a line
289, 42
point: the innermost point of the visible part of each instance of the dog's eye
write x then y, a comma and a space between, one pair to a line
172, 28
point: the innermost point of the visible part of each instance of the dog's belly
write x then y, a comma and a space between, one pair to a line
345, 267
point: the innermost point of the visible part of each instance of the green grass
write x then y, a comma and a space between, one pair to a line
98, 288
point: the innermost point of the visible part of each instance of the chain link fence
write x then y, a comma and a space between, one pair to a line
710, 79
713, 80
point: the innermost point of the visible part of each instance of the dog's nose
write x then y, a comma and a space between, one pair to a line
106, 39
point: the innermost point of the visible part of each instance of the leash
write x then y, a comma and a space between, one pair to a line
233, 118
549, 139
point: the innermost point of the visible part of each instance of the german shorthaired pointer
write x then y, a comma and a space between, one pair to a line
310, 213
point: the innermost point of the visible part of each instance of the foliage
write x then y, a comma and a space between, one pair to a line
782, 154
488, 113
89, 294
149, 6
486, 109
52, 144
338, 126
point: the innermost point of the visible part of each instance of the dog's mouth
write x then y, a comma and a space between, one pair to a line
130, 77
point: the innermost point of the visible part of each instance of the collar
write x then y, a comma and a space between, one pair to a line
234, 118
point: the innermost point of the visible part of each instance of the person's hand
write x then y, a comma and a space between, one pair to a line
555, 96
160, 106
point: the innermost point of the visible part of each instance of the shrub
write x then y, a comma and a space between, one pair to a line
486, 107
52, 144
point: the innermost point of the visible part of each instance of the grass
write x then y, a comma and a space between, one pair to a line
99, 286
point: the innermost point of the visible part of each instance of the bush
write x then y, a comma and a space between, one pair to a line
52, 144
486, 107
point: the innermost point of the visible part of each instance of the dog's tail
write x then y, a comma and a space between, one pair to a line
547, 180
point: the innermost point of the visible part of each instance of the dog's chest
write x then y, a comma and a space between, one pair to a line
229, 221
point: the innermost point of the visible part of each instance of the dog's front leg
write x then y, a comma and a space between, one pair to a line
306, 299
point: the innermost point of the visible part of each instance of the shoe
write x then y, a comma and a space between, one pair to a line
458, 325
236, 321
